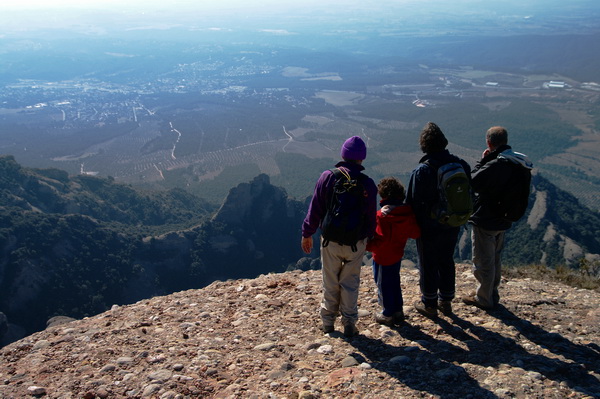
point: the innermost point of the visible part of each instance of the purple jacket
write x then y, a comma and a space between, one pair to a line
322, 196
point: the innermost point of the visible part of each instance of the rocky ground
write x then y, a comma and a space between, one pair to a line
260, 339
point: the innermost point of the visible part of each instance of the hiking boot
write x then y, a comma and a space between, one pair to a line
350, 330
471, 299
398, 318
385, 320
445, 307
326, 328
428, 311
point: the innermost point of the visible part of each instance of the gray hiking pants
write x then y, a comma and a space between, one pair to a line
487, 263
341, 281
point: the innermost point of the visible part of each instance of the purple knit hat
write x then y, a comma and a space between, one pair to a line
354, 148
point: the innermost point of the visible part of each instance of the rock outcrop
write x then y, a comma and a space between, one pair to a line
253, 202
259, 338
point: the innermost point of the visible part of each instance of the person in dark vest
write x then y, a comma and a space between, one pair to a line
341, 263
500, 171
435, 247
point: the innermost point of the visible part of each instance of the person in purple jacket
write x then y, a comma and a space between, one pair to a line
341, 264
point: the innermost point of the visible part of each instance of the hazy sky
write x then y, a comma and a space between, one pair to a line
23, 15
141, 4
85, 3
17, 16
62, 8
28, 4
288, 4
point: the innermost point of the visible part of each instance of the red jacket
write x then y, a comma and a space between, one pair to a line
395, 225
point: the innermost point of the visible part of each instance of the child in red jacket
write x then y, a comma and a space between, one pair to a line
396, 223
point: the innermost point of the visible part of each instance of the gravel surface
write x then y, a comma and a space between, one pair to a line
260, 338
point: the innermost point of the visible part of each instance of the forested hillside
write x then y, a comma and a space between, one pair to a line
67, 244
77, 245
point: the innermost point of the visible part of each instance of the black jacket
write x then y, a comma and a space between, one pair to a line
490, 176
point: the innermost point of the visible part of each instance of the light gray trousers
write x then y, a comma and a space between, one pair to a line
487, 263
341, 282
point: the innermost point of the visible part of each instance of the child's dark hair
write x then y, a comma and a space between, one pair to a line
391, 188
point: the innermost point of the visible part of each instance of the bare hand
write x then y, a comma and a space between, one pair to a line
307, 244
486, 153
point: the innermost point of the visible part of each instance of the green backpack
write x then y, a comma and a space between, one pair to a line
454, 205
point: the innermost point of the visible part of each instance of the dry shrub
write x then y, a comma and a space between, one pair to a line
586, 276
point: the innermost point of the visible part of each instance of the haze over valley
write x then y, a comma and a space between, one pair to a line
219, 97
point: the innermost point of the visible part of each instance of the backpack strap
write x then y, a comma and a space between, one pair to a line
430, 164
337, 174
343, 172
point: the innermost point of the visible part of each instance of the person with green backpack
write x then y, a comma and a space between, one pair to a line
440, 195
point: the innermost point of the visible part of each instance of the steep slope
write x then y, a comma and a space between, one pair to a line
556, 230
259, 338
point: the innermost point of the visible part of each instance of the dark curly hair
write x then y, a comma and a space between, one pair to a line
432, 139
391, 188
